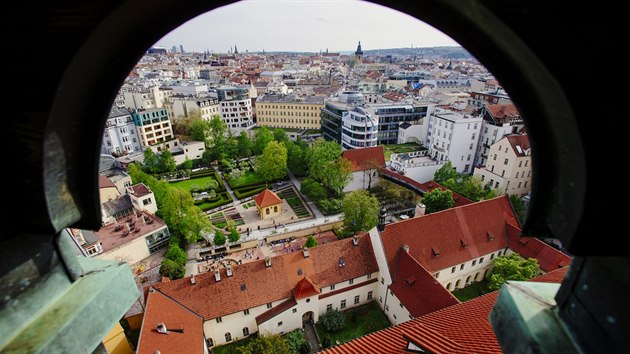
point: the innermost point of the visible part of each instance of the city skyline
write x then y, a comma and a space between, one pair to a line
258, 25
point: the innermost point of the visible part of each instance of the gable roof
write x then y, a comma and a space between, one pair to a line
304, 288
548, 257
518, 140
461, 328
453, 236
161, 309
267, 198
275, 283
361, 158
502, 111
104, 182
413, 282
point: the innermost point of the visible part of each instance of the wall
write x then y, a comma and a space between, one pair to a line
131, 252
234, 323
447, 276
115, 342
384, 273
291, 320
305, 232
360, 181
362, 292
395, 310
292, 115
268, 211
422, 174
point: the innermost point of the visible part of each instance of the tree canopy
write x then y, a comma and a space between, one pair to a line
360, 211
296, 157
445, 173
272, 164
262, 137
512, 267
333, 320
266, 344
469, 186
437, 200
219, 238
326, 165
310, 242
151, 163
167, 161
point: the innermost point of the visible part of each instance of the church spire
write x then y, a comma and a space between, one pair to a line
358, 55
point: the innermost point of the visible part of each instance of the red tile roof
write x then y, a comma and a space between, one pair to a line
365, 158
437, 240
104, 182
461, 328
548, 257
502, 111
275, 311
304, 288
161, 309
458, 199
140, 190
413, 282
518, 140
267, 198
264, 285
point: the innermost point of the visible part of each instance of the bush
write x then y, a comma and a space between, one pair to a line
295, 340
244, 193
234, 236
313, 189
329, 206
310, 242
219, 238
333, 320
171, 269
176, 254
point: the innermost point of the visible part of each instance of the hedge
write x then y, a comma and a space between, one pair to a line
242, 193
223, 198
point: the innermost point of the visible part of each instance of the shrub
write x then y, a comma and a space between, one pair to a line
171, 269
176, 254
219, 238
233, 236
329, 206
310, 242
333, 320
313, 189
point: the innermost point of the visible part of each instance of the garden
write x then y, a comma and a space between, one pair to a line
295, 202
356, 323
207, 189
401, 148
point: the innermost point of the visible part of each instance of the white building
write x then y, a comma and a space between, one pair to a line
359, 128
509, 166
365, 165
119, 136
453, 137
146, 98
499, 120
183, 106
236, 108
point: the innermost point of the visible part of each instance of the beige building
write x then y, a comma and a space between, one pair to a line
509, 166
269, 205
289, 111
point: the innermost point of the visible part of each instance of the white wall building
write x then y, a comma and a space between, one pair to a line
120, 136
236, 108
499, 120
509, 166
453, 137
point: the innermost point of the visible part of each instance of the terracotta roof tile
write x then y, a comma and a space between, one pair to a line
548, 257
482, 227
518, 140
104, 182
365, 158
161, 309
413, 282
267, 198
502, 111
304, 288
273, 312
264, 285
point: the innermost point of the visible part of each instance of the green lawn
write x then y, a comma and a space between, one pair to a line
187, 184
400, 148
471, 291
231, 348
247, 179
369, 318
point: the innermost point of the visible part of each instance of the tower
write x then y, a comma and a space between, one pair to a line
235, 49
358, 55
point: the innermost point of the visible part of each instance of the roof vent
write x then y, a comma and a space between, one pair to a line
342, 262
267, 262
243, 287
300, 272
405, 248
305, 251
355, 240
435, 251
490, 236
228, 270
217, 275
464, 244
410, 281
192, 279
161, 328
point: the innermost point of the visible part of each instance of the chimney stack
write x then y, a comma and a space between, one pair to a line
381, 219
305, 250
192, 280
217, 275
406, 248
420, 209
228, 269
267, 262
355, 240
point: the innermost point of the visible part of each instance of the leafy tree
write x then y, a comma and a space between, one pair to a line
339, 175
437, 200
313, 189
245, 145
172, 269
199, 130
512, 267
280, 136
151, 162
266, 344
187, 164
321, 154
296, 342
176, 254
360, 210
167, 161
233, 236
219, 238
310, 242
272, 164
333, 320
182, 125
445, 172
296, 159
330, 205
182, 216
519, 207
262, 137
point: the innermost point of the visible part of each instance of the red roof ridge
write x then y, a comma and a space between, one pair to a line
304, 288
267, 198
359, 157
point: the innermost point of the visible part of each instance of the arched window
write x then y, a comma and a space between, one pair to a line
467, 279
267, 209
448, 286
228, 337
457, 283
245, 331
477, 276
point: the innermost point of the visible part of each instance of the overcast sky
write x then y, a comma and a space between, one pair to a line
303, 25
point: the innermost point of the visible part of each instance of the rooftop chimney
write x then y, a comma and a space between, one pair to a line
228, 270
192, 279
217, 275
406, 248
355, 240
381, 219
267, 262
305, 250
420, 209
342, 262
161, 328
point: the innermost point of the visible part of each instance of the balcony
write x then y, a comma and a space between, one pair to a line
436, 147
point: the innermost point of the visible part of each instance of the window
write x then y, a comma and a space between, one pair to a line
453, 270
343, 304
382, 280
146, 201
492, 256
470, 147
275, 209
294, 310
480, 260
279, 323
387, 308
483, 177
520, 164
448, 286
267, 211
466, 168
395, 316
468, 158
380, 299
494, 157
503, 173
461, 267
437, 275
369, 276
219, 320
519, 184
228, 337
474, 262
332, 287
526, 162
529, 173
369, 295
525, 185
351, 281
329, 307
506, 161
269, 305
356, 299
245, 331
246, 312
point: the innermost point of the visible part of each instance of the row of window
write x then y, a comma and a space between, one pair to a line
284, 120
343, 303
308, 108
281, 113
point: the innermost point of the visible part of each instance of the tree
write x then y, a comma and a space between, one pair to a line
320, 155
272, 164
339, 174
296, 342
167, 161
310, 242
296, 159
176, 254
199, 130
172, 269
370, 171
445, 172
219, 238
266, 344
512, 267
151, 163
262, 137
280, 136
245, 145
519, 207
360, 210
233, 236
333, 320
182, 216
187, 164
313, 189
182, 125
437, 200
